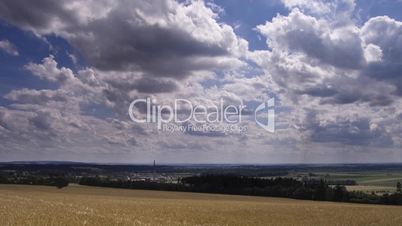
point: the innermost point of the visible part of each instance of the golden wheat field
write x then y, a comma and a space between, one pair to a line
79, 205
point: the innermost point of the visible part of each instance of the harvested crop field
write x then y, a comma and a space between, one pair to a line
79, 205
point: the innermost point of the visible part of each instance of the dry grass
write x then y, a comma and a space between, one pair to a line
77, 205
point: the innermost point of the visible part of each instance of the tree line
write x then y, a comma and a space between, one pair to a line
58, 181
240, 185
311, 189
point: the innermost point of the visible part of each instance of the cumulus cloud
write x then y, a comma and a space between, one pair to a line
48, 70
310, 55
319, 59
336, 11
297, 32
161, 38
385, 36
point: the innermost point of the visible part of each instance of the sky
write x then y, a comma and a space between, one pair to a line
69, 71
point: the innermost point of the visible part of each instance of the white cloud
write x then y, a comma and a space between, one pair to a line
48, 70
372, 53
161, 38
316, 38
8, 47
321, 63
336, 11
386, 33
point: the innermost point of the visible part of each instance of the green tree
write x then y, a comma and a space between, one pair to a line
59, 182
398, 187
340, 194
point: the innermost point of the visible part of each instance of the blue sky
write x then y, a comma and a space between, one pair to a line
69, 71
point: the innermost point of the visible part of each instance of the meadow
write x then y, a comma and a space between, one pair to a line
378, 182
80, 205
385, 179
